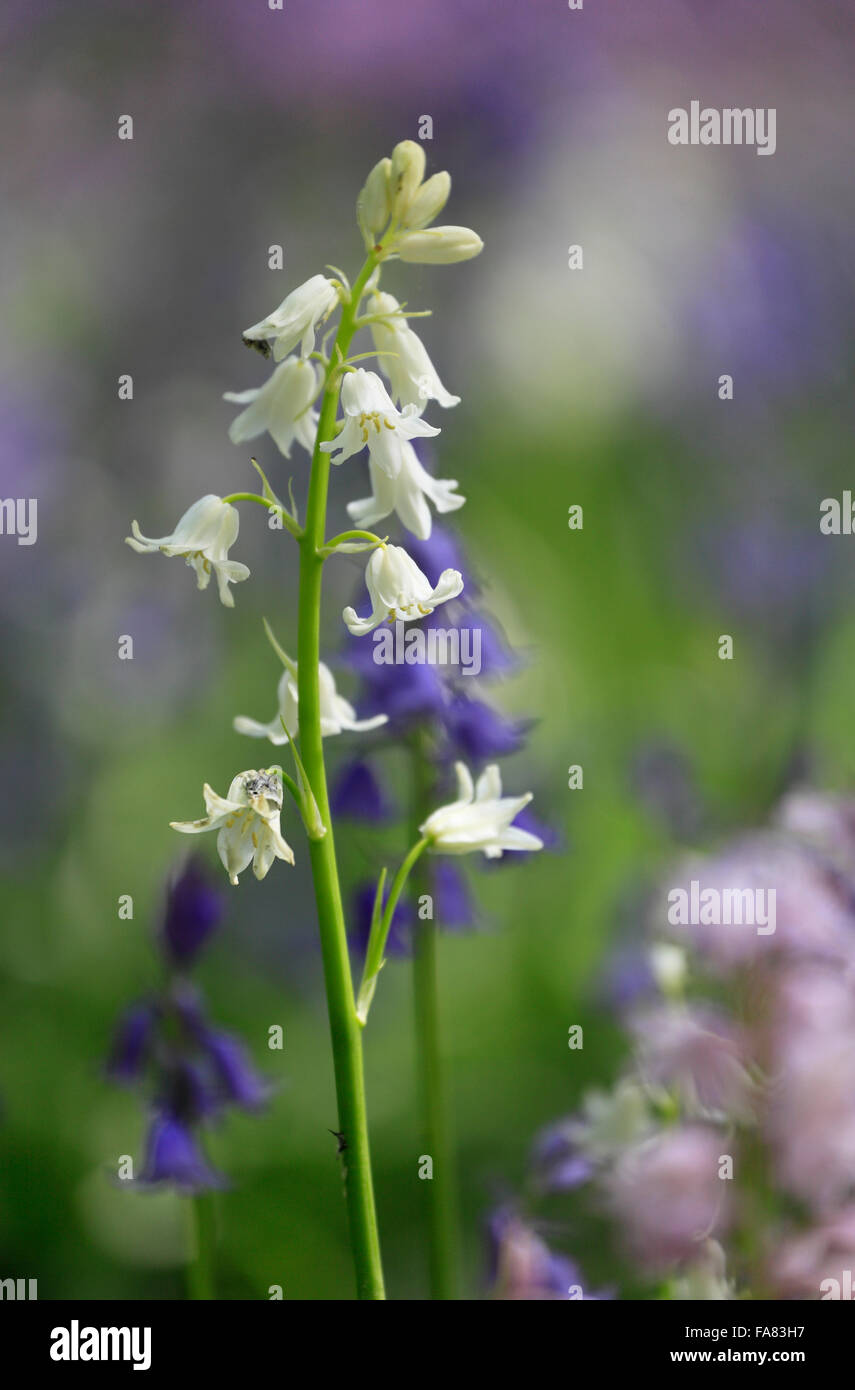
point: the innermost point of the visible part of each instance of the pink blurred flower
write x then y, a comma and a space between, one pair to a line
696, 1051
667, 1194
810, 1119
800, 1267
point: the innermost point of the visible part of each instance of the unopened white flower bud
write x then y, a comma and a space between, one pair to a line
374, 204
407, 172
439, 245
669, 966
429, 201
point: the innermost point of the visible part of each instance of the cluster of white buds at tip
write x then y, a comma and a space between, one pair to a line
397, 205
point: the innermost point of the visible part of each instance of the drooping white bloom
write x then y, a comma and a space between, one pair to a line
247, 822
371, 419
204, 536
399, 591
439, 245
337, 713
413, 377
282, 406
407, 495
299, 314
480, 819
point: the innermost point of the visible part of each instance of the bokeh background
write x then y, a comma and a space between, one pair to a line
597, 387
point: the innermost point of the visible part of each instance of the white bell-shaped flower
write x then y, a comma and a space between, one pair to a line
399, 591
480, 819
337, 714
297, 318
408, 495
282, 407
372, 420
204, 536
412, 376
246, 821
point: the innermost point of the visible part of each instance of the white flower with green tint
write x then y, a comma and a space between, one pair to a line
439, 245
480, 819
413, 378
298, 317
408, 495
204, 536
372, 421
399, 591
282, 407
337, 714
246, 821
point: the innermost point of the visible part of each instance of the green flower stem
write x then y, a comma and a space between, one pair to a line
367, 536
344, 1026
381, 922
203, 1236
442, 1189
287, 519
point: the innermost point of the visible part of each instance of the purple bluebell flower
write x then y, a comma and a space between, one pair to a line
190, 1070
131, 1043
557, 1164
194, 909
441, 551
186, 1089
521, 1265
479, 638
628, 978
358, 794
399, 941
174, 1156
477, 732
407, 694
235, 1074
453, 901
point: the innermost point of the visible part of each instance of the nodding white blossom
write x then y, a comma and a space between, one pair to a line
480, 818
204, 536
407, 495
371, 419
399, 591
247, 822
282, 407
337, 714
412, 376
299, 314
439, 245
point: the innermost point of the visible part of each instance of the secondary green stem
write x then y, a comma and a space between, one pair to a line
200, 1278
345, 1030
442, 1189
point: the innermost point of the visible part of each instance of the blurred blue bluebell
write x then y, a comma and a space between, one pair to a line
478, 733
399, 942
358, 794
174, 1156
194, 909
453, 902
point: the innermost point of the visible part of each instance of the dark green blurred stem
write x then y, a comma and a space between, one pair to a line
435, 1128
203, 1237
